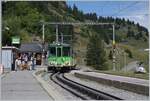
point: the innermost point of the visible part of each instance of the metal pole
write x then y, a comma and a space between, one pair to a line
0, 32
62, 39
56, 33
72, 53
61, 42
43, 28
113, 33
56, 51
114, 61
56, 37
125, 61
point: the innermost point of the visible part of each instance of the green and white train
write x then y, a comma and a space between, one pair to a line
60, 57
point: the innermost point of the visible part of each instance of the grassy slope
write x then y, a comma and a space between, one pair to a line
136, 49
138, 52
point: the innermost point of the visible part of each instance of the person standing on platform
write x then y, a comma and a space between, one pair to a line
33, 62
16, 64
30, 65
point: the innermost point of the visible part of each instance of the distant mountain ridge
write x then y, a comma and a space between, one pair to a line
23, 18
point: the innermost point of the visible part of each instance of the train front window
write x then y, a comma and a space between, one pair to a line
52, 51
58, 52
66, 51
61, 51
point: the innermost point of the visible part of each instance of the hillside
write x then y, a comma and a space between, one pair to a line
24, 20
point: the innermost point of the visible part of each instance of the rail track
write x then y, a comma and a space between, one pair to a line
79, 90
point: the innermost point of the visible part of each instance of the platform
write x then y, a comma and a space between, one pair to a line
140, 86
21, 85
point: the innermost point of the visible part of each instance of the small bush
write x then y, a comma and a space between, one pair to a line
129, 53
110, 55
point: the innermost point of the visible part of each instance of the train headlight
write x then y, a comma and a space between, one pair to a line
67, 63
52, 63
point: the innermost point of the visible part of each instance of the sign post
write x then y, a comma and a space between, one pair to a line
0, 32
114, 46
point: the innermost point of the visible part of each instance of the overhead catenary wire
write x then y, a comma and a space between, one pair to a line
76, 23
127, 7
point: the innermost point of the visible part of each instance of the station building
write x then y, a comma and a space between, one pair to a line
33, 48
9, 54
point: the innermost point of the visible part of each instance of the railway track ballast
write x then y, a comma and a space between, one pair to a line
79, 90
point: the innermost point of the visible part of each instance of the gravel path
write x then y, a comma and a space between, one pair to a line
130, 67
111, 90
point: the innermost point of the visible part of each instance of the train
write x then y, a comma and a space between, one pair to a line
60, 57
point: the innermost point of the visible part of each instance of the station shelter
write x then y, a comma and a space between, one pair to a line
33, 48
9, 55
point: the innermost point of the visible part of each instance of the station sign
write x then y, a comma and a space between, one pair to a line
15, 40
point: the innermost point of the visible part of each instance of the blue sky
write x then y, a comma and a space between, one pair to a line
136, 11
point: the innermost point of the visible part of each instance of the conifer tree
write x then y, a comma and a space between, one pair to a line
96, 53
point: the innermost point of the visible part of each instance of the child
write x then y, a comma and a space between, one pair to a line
30, 65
